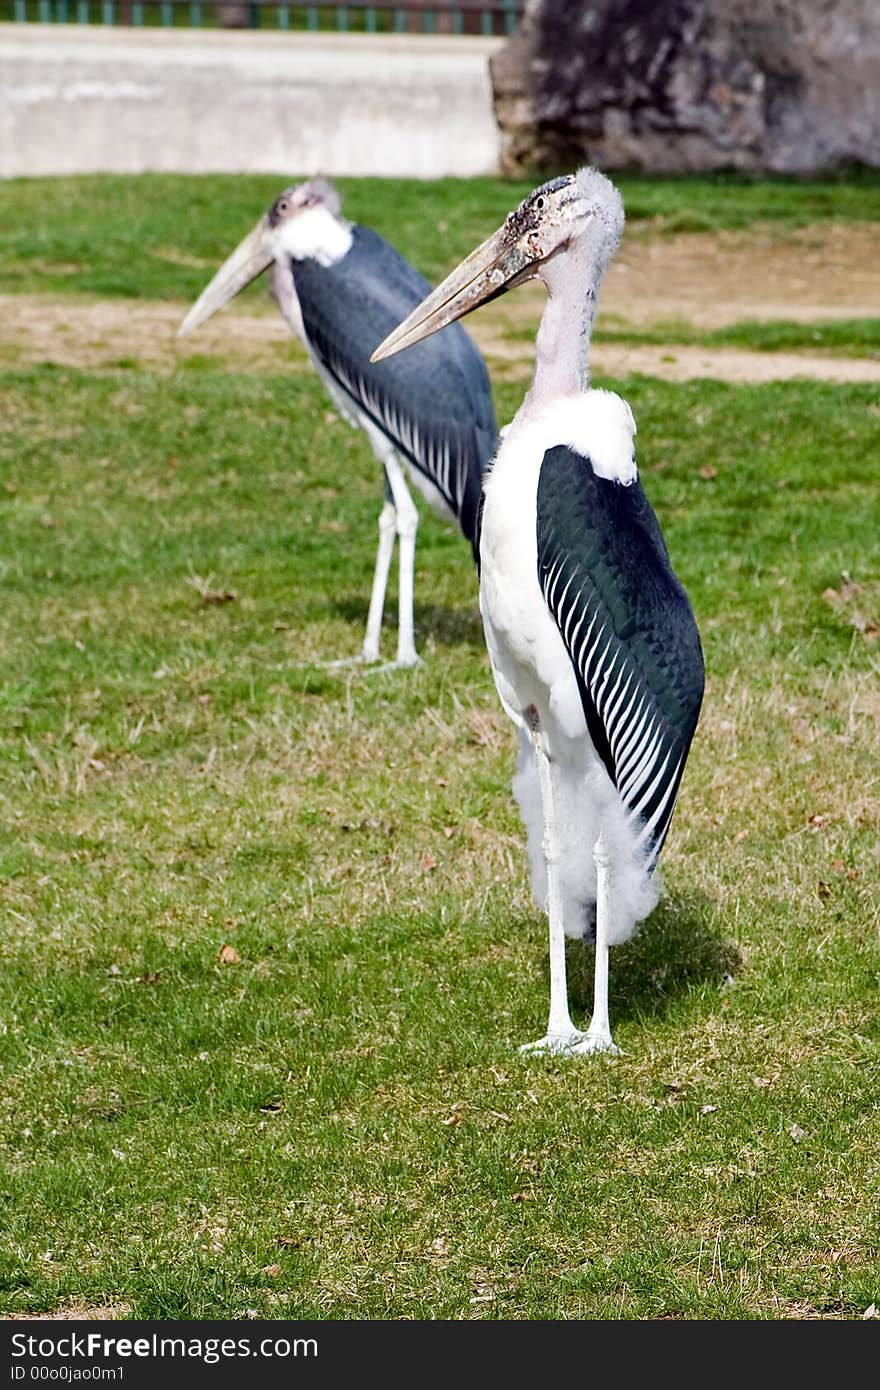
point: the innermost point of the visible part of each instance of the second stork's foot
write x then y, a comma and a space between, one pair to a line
344, 663
400, 663
372, 664
572, 1044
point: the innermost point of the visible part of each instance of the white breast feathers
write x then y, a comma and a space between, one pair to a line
597, 424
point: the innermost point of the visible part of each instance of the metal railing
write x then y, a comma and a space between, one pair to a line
362, 16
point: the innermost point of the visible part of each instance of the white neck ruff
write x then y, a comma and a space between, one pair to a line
313, 234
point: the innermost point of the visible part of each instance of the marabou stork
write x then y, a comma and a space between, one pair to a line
341, 287
593, 644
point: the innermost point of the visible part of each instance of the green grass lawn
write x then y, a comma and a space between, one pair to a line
267, 942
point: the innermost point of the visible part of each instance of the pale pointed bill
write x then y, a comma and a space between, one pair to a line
500, 263
249, 259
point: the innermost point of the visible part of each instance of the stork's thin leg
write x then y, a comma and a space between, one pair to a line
369, 653
387, 530
561, 1035
407, 525
599, 1031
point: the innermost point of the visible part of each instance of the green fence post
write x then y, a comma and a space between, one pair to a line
195, 15
283, 16
370, 23
313, 19
166, 14
44, 12
137, 13
399, 22
20, 11
82, 11
108, 12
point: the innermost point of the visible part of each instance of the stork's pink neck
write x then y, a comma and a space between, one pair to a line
562, 346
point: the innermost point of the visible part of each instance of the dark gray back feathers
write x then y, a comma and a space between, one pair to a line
434, 401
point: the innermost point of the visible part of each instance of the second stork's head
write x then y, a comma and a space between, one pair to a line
304, 222
568, 229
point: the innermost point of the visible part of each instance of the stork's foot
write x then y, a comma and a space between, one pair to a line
372, 663
401, 663
572, 1044
344, 662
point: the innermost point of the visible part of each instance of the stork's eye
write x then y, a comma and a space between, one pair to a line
282, 206
539, 202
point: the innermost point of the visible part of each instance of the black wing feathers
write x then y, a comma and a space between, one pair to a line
434, 401
628, 627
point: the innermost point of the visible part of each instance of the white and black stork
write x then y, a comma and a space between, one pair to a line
342, 287
593, 644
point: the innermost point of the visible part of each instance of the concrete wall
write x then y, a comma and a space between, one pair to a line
80, 99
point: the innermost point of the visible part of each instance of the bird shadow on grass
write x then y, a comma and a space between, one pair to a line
675, 950
445, 627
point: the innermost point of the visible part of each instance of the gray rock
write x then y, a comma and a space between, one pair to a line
783, 86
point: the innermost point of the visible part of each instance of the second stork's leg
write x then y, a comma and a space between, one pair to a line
561, 1035
387, 532
407, 519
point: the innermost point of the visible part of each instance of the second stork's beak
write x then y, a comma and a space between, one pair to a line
503, 260
249, 259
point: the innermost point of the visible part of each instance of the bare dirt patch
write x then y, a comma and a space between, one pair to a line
704, 280
72, 1313
736, 365
97, 333
711, 280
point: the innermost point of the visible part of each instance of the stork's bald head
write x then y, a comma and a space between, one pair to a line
302, 196
304, 221
582, 212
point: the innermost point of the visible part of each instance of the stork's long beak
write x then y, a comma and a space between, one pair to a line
501, 262
249, 259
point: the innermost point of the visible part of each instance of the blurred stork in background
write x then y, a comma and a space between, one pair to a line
342, 287
594, 647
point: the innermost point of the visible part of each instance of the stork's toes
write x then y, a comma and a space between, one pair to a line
342, 662
572, 1044
408, 663
372, 664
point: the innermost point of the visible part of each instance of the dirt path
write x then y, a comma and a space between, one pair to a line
812, 275
704, 281
107, 333
735, 365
